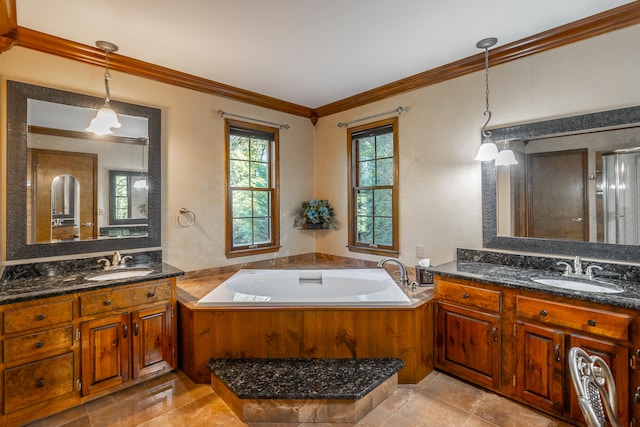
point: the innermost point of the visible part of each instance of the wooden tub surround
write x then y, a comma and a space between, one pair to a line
302, 332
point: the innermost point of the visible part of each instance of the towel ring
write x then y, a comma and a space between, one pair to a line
190, 218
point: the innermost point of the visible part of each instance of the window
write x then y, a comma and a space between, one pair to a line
252, 225
373, 182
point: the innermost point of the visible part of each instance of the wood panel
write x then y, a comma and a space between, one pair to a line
540, 367
37, 382
38, 316
33, 346
597, 322
152, 340
105, 353
307, 332
468, 343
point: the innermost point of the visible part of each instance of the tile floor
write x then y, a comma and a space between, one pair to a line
174, 400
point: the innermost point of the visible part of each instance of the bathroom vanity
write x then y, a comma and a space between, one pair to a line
72, 337
497, 328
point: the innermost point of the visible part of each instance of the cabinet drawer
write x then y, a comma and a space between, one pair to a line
470, 296
33, 345
598, 322
37, 316
121, 298
38, 382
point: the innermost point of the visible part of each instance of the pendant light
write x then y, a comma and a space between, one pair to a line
106, 119
505, 156
488, 149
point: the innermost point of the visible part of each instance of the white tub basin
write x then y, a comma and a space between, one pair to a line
579, 285
116, 275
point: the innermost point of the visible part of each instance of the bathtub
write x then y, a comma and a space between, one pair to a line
338, 287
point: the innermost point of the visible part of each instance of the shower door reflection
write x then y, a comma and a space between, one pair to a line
620, 198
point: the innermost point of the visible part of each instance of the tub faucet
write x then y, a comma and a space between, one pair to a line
404, 278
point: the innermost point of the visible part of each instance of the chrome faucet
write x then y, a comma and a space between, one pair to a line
577, 266
116, 259
404, 278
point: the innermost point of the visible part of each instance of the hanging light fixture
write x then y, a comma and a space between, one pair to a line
488, 149
505, 156
106, 119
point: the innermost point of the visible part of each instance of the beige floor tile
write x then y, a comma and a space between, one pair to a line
456, 393
173, 400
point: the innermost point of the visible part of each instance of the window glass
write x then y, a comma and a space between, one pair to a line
252, 225
373, 161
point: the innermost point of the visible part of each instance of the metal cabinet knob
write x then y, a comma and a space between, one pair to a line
40, 383
591, 322
40, 317
465, 295
107, 302
543, 313
39, 344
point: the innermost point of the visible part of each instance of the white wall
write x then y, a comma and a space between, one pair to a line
440, 183
192, 153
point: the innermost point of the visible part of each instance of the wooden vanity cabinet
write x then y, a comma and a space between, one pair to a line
468, 339
546, 331
60, 352
531, 350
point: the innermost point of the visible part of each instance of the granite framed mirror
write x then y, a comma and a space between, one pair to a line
576, 133
138, 152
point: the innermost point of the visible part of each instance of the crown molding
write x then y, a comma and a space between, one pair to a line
598, 24
601, 23
46, 43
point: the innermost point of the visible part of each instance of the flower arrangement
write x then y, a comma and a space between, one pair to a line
315, 214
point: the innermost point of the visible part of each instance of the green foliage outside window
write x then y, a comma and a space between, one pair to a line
249, 178
373, 162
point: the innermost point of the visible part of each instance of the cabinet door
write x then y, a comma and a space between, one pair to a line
152, 340
540, 366
468, 344
617, 358
105, 353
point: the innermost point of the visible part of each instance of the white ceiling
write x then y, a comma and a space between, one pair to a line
307, 52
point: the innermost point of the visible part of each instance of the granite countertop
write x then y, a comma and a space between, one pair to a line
518, 277
55, 282
303, 378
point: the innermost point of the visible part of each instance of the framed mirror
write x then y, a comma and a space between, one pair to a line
574, 191
58, 175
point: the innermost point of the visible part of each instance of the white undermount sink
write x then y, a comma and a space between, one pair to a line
122, 274
579, 285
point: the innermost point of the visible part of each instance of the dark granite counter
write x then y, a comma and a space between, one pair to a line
516, 272
41, 280
303, 378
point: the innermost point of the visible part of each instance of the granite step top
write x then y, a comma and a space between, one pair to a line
302, 378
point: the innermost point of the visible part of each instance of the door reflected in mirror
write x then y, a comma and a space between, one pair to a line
581, 187
65, 196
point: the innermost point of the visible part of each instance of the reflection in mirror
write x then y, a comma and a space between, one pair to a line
46, 138
127, 197
569, 187
575, 190
64, 191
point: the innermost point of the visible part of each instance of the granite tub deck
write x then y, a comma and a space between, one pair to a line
303, 390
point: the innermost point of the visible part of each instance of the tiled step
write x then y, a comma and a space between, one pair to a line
303, 390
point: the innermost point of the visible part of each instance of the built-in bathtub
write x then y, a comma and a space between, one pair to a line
371, 287
366, 316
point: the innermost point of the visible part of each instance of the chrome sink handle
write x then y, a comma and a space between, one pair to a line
567, 268
105, 263
589, 270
